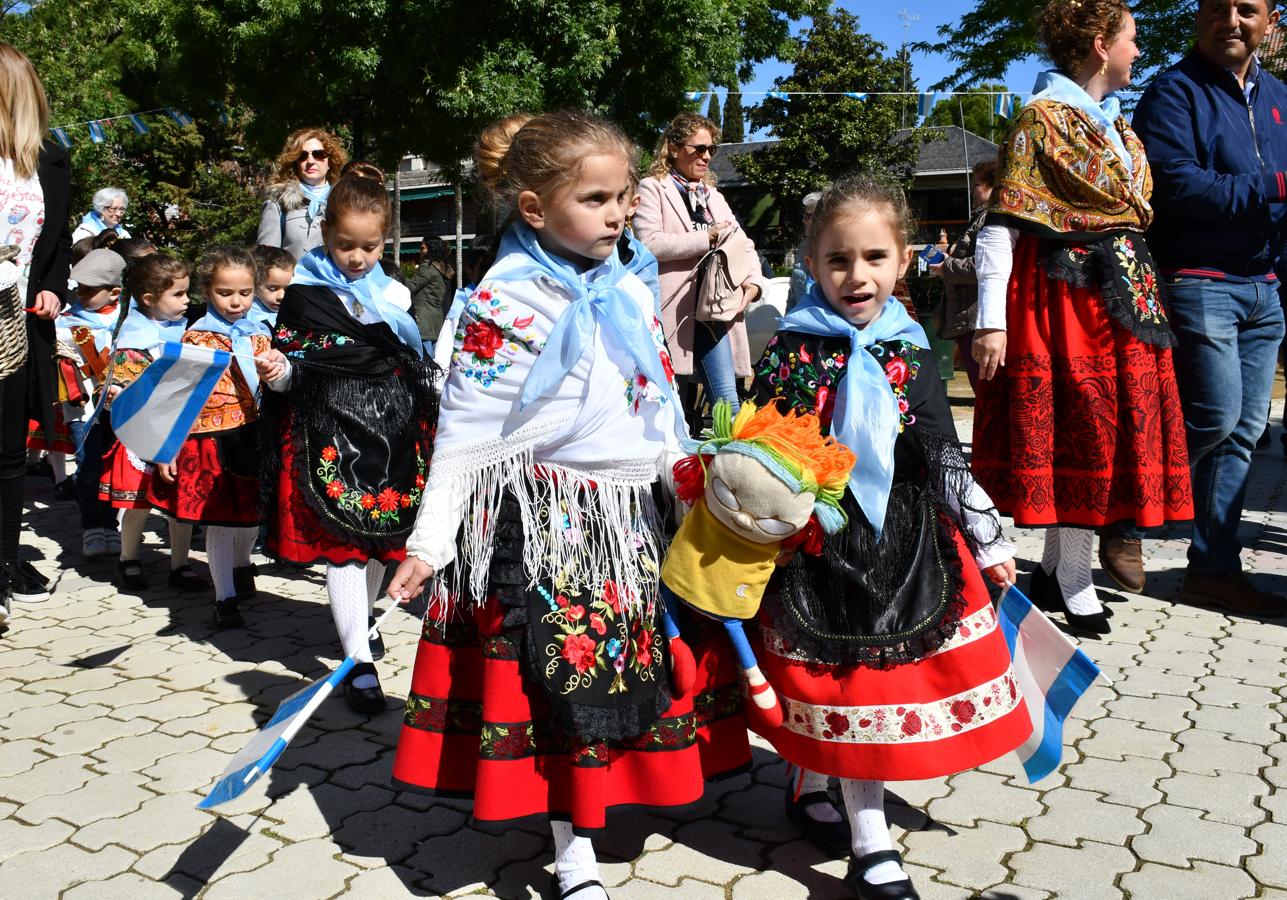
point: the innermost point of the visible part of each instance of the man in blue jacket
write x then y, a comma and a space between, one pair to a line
1215, 129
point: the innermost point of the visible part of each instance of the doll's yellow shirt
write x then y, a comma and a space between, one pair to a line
715, 569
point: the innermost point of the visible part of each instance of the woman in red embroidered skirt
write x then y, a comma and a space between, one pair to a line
1078, 423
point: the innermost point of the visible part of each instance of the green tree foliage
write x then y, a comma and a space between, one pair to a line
996, 33
821, 138
978, 113
188, 186
733, 126
713, 111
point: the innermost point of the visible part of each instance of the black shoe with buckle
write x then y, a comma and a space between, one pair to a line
902, 889
369, 700
130, 574
185, 579
377, 642
833, 838
243, 580
227, 614
1045, 594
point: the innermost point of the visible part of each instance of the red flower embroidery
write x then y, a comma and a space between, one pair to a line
896, 371
837, 723
576, 613
643, 648
864, 723
612, 596
597, 623
641, 380
911, 724
367, 501
666, 366
334, 488
406, 501
388, 499
562, 601
484, 295
804, 355
578, 650
483, 339
420, 481
330, 454
963, 711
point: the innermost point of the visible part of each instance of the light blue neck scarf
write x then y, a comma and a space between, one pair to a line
316, 195
1054, 85
99, 325
260, 312
866, 417
139, 332
601, 300
240, 333
317, 269
95, 222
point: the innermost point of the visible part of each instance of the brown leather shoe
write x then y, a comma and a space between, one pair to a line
1122, 558
1233, 592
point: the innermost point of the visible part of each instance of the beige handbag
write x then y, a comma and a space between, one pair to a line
13, 318
720, 274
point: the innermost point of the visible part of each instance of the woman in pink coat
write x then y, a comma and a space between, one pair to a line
680, 217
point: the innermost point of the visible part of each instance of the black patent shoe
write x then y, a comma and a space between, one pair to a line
185, 579
367, 701
377, 642
243, 580
65, 489
1046, 595
227, 614
890, 890
833, 838
130, 574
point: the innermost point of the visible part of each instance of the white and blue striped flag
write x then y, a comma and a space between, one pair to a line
264, 748
1001, 104
1053, 673
927, 104
153, 416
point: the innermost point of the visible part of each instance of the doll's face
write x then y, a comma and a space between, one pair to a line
752, 501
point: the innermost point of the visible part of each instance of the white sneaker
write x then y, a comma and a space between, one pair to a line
112, 538
94, 543
5, 604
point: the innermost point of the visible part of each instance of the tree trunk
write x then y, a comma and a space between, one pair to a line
397, 219
460, 234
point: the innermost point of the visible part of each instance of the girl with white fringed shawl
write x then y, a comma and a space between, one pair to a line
540, 685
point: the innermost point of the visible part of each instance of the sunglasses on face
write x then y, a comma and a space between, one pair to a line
319, 155
703, 149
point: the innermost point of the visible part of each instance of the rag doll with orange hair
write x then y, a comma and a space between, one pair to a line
756, 483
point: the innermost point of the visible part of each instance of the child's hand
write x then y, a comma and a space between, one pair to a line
167, 471
1002, 574
409, 580
271, 365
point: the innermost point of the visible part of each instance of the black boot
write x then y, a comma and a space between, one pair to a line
890, 890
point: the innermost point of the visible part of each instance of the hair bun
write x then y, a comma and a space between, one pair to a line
493, 147
362, 169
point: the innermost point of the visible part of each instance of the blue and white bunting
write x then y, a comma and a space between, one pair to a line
180, 117
1052, 672
139, 125
927, 104
694, 95
1001, 105
856, 95
153, 416
96, 132
60, 135
257, 757
777, 95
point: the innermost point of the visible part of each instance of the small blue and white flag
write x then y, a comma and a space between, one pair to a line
264, 748
153, 416
694, 95
857, 95
1052, 672
927, 104
777, 95
1001, 104
96, 132
180, 117
139, 125
60, 135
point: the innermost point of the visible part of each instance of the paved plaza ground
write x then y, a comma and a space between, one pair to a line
117, 711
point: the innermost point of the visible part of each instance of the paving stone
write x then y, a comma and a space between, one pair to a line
1074, 815
39, 721
1242, 723
723, 856
1208, 752
49, 872
317, 812
1131, 782
104, 796
130, 887
1144, 681
171, 819
980, 795
1227, 797
391, 833
468, 858
229, 845
1120, 738
1205, 880
1269, 866
1177, 836
644, 890
1220, 690
20, 755
17, 838
307, 869
1161, 713
88, 736
970, 857
1086, 873
51, 776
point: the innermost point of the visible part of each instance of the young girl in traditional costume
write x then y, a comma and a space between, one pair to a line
1078, 424
884, 649
214, 479
545, 691
156, 287
348, 447
274, 268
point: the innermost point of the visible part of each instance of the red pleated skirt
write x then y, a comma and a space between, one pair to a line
204, 489
1083, 425
125, 479
954, 709
295, 532
61, 441
474, 727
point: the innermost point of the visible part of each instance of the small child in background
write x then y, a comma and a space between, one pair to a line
215, 478
274, 268
157, 288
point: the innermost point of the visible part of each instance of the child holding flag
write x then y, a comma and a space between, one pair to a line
157, 290
346, 453
214, 479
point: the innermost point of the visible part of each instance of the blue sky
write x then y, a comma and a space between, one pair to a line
880, 19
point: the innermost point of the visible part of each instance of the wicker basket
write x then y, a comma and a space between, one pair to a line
13, 319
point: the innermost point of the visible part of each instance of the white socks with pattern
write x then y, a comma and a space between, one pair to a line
348, 588
220, 552
575, 862
865, 804
1076, 550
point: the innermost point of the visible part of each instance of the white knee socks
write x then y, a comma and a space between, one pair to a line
58, 464
1050, 551
865, 804
220, 554
374, 578
180, 543
1076, 546
350, 605
132, 533
574, 861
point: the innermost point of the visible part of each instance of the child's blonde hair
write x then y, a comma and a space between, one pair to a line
24, 111
543, 153
861, 192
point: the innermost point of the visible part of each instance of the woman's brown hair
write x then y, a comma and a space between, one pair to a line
360, 190
1068, 29
227, 256
680, 129
24, 111
288, 159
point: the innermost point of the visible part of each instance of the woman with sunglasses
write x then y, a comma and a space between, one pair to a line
681, 216
296, 198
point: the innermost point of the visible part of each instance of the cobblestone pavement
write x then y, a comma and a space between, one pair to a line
117, 711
